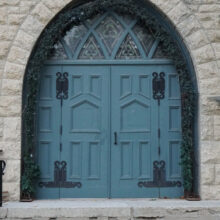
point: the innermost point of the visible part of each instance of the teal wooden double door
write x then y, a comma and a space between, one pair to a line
111, 131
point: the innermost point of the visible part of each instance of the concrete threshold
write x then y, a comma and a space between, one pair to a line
112, 209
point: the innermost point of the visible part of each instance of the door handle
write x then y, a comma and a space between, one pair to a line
115, 137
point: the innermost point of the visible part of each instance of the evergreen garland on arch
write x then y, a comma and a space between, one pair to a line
74, 16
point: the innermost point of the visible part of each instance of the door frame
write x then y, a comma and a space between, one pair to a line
35, 62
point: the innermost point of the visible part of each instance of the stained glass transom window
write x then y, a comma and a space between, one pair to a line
110, 31
108, 36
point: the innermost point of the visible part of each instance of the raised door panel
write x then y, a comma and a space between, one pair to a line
171, 133
86, 126
134, 122
48, 115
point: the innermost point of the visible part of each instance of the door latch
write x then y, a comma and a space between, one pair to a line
116, 138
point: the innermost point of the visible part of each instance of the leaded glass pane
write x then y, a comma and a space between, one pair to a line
159, 53
128, 49
91, 50
92, 20
126, 18
144, 37
74, 36
58, 52
110, 31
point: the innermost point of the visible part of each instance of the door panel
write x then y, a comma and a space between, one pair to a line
85, 138
171, 134
49, 119
134, 119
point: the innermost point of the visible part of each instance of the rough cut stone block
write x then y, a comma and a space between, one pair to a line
207, 174
4, 46
18, 55
15, 19
1, 127
165, 5
24, 40
217, 127
207, 70
3, 15
188, 26
56, 5
217, 174
14, 71
11, 87
179, 13
32, 26
210, 152
209, 86
12, 129
216, 47
196, 40
12, 171
210, 192
10, 106
206, 125
13, 189
204, 54
43, 13
11, 150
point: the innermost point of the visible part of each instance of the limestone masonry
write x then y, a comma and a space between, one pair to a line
197, 21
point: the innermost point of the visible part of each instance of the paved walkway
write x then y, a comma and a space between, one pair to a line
114, 208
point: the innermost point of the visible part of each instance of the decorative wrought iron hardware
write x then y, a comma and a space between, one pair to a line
158, 84
60, 178
159, 177
62, 85
2, 168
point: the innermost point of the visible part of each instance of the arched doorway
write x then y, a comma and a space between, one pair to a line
109, 114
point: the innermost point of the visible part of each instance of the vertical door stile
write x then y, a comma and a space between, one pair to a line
49, 119
170, 123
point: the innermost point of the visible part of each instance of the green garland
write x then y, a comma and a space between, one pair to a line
74, 16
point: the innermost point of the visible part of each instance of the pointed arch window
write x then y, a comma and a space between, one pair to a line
108, 36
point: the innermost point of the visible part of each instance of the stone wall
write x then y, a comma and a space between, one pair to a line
197, 21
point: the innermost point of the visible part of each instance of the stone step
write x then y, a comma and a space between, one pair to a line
112, 209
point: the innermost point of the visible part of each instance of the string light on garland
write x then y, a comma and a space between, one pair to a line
74, 16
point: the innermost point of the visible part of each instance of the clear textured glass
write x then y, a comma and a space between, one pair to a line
58, 52
93, 19
159, 54
74, 36
110, 31
144, 37
91, 50
128, 49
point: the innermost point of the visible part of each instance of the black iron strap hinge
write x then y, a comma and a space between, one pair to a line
60, 178
62, 85
158, 85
